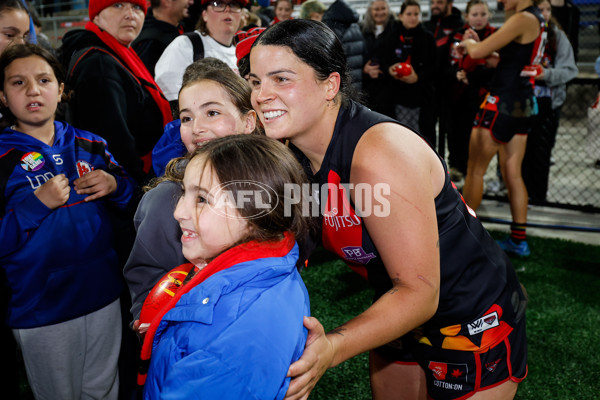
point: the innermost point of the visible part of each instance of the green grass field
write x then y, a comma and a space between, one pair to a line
563, 320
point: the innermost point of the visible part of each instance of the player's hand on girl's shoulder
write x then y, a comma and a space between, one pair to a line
55, 192
97, 184
316, 359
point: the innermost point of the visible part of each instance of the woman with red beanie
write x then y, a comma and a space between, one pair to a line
114, 94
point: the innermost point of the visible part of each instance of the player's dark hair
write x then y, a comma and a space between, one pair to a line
12, 5
316, 45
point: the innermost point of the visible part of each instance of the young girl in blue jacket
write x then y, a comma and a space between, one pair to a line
236, 323
57, 241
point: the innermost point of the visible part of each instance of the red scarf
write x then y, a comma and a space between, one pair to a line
137, 68
245, 252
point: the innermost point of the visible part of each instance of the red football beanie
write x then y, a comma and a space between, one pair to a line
96, 6
244, 41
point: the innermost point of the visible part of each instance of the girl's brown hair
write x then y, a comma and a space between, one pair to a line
16, 52
407, 3
248, 162
472, 3
212, 69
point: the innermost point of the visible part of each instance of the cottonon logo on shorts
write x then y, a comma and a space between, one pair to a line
449, 375
484, 323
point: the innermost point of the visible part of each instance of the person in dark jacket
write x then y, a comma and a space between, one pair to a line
445, 20
162, 24
377, 27
343, 20
568, 16
413, 93
114, 94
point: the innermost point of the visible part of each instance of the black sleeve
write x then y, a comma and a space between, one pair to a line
100, 105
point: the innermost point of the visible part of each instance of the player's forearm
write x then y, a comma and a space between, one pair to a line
397, 312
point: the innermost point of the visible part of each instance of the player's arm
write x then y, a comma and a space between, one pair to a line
407, 240
519, 28
405, 234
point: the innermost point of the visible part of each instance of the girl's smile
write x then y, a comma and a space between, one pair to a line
209, 225
207, 112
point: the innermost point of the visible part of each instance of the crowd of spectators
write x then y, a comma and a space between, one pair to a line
126, 68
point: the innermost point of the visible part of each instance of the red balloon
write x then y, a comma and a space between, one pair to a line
403, 69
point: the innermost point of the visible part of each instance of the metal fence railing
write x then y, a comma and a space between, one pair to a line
574, 180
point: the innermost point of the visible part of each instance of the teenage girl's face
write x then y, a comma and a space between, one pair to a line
411, 17
286, 94
207, 112
478, 16
220, 24
546, 10
283, 11
31, 92
380, 12
14, 28
209, 222
123, 21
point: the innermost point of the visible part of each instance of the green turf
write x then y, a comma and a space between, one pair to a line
563, 320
